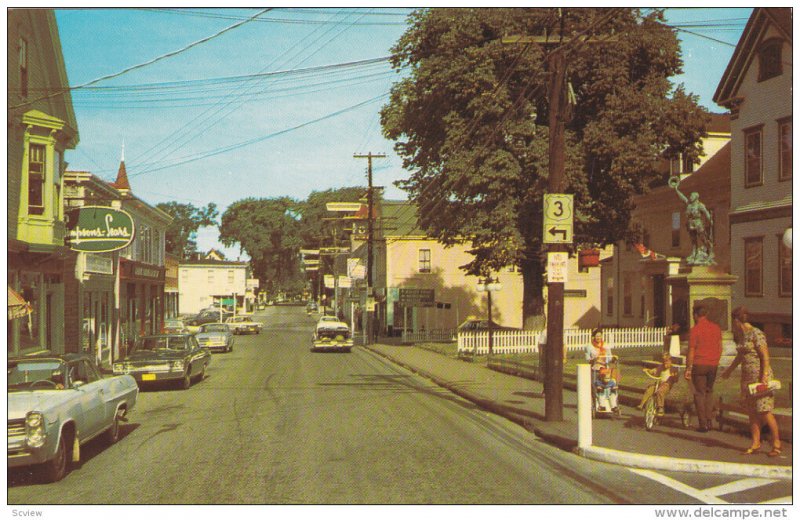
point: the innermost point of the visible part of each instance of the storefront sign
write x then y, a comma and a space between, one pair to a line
98, 264
97, 229
146, 272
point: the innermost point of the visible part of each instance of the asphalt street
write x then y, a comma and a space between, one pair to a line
274, 423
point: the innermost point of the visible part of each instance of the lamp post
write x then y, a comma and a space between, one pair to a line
489, 285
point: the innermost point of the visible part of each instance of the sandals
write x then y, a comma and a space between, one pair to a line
753, 449
775, 452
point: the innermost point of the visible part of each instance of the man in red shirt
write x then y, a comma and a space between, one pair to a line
705, 349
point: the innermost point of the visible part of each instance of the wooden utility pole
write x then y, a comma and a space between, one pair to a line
558, 114
370, 230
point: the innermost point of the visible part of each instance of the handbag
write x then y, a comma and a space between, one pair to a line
762, 390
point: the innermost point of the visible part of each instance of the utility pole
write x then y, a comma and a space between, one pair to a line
558, 102
370, 230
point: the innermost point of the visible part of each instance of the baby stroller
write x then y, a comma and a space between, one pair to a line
605, 387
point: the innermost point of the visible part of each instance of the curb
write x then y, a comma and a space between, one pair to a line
657, 462
526, 419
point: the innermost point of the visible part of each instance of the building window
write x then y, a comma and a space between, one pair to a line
210, 276
784, 268
23, 67
676, 229
424, 260
627, 295
610, 296
230, 275
769, 59
687, 164
785, 159
36, 173
752, 159
753, 266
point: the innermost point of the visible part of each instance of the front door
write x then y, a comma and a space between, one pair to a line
659, 301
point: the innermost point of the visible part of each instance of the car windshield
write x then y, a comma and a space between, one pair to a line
47, 374
161, 343
214, 327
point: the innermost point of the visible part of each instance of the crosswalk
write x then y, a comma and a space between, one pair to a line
730, 490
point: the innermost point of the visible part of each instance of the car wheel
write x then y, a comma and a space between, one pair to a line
202, 374
112, 433
187, 381
56, 468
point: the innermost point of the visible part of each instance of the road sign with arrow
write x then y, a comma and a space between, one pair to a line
558, 218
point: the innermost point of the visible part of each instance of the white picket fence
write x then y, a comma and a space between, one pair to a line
525, 341
432, 335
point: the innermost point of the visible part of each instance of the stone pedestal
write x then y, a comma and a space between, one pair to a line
694, 285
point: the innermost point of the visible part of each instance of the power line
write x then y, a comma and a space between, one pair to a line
139, 66
202, 14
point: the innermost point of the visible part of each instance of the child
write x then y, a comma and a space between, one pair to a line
668, 376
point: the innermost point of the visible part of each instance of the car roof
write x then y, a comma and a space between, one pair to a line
66, 357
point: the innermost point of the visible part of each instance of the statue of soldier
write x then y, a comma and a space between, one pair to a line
699, 232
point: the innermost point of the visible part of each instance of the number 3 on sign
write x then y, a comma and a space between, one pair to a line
558, 207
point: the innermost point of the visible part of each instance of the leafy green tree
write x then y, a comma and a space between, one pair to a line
470, 120
315, 231
268, 231
181, 234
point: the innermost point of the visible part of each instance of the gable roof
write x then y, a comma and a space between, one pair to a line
400, 219
760, 20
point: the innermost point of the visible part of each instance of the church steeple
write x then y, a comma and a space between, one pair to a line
122, 175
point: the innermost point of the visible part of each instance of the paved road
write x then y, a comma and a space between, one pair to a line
274, 423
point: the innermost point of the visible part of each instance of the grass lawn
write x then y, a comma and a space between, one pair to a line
632, 375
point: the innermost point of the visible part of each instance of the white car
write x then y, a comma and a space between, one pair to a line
243, 325
330, 334
58, 402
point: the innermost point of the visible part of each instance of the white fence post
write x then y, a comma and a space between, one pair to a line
584, 405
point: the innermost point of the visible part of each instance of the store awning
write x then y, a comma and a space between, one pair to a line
17, 306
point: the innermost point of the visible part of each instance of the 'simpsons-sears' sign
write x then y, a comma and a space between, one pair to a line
98, 229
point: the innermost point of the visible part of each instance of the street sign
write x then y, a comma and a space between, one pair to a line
557, 264
417, 297
558, 218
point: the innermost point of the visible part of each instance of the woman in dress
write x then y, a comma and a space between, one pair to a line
752, 354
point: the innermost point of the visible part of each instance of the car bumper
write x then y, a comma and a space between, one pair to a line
153, 377
215, 347
19, 454
333, 346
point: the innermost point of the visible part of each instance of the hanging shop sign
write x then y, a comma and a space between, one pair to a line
98, 229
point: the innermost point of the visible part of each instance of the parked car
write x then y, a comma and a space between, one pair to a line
475, 324
243, 325
193, 323
59, 402
215, 336
174, 327
330, 334
165, 358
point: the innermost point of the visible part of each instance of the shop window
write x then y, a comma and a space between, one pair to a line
424, 260
769, 59
784, 269
785, 158
752, 160
36, 175
753, 266
29, 336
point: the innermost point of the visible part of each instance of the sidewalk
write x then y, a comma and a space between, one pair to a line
619, 441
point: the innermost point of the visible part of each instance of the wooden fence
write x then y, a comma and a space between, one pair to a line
525, 341
432, 335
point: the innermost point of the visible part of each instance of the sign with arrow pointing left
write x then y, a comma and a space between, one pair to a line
558, 218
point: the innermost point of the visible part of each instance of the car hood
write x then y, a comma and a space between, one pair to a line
22, 402
161, 355
210, 335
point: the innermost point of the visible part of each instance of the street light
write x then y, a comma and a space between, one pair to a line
489, 285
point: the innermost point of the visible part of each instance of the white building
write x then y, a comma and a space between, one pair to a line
206, 283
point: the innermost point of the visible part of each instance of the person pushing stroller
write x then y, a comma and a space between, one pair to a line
604, 378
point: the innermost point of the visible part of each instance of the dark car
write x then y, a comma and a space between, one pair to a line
175, 358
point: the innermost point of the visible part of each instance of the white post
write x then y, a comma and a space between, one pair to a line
584, 405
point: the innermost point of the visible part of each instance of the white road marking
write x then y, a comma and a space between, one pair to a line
711, 495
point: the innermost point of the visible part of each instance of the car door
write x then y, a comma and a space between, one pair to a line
91, 392
200, 355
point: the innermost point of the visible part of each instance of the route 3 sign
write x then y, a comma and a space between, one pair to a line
558, 218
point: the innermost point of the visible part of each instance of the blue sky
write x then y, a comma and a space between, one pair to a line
176, 135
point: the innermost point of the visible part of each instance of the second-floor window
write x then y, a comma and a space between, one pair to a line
769, 59
230, 276
753, 266
752, 157
23, 67
424, 260
627, 295
610, 296
785, 158
210, 276
36, 175
676, 229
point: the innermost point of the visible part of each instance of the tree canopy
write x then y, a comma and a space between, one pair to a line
470, 121
181, 234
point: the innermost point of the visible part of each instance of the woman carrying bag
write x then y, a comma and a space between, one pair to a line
752, 354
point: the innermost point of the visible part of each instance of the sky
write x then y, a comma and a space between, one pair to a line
260, 110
